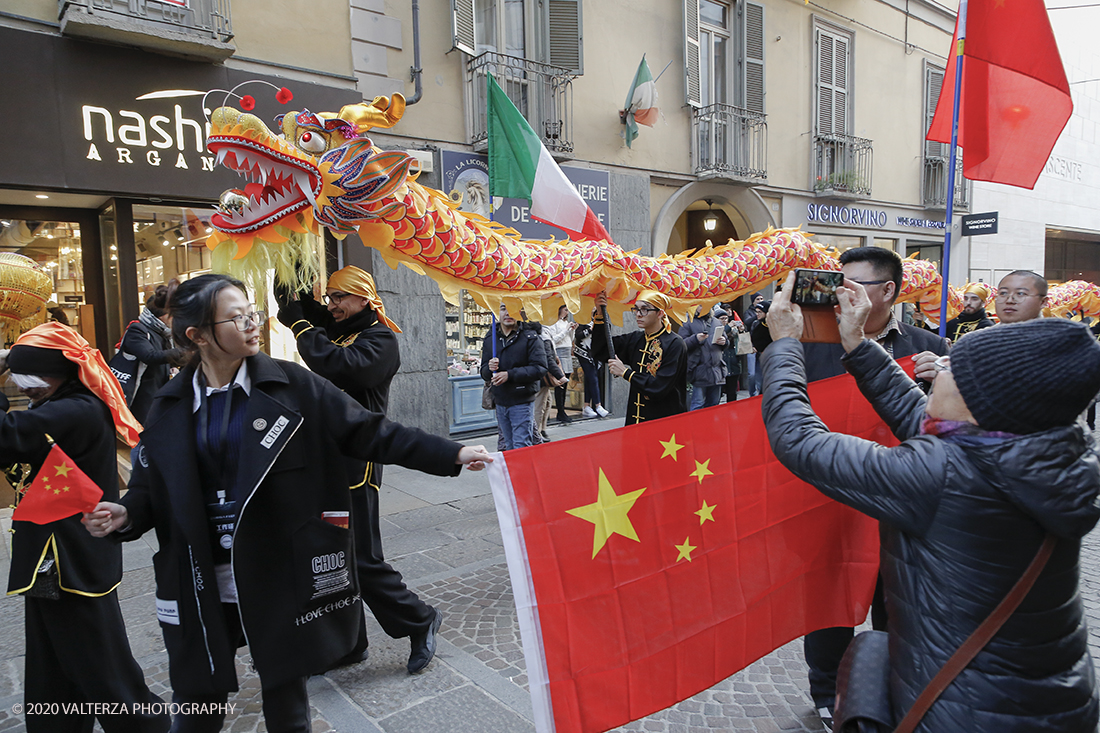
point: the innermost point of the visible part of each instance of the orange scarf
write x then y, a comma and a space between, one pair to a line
93, 371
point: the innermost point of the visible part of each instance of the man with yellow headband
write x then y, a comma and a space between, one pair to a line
973, 315
352, 343
653, 359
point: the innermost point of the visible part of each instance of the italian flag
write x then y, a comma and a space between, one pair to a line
641, 102
520, 167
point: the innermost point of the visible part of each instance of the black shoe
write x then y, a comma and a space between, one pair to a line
564, 419
423, 646
826, 717
545, 437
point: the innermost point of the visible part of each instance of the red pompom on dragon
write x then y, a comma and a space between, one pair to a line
323, 171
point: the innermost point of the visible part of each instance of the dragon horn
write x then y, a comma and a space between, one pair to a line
383, 112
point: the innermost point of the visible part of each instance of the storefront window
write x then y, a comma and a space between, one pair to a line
840, 243
467, 325
890, 244
55, 246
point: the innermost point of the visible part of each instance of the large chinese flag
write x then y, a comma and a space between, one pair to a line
653, 561
1015, 96
59, 490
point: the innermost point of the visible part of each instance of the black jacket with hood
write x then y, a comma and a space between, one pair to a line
959, 520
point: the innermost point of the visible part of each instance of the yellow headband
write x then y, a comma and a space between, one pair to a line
655, 299
980, 289
358, 282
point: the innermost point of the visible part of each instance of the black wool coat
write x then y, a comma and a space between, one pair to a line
80, 423
155, 351
960, 518
297, 619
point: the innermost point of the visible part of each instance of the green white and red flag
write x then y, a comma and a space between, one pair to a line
641, 102
521, 167
653, 561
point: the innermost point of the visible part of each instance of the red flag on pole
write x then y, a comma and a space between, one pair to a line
1015, 95
653, 561
59, 490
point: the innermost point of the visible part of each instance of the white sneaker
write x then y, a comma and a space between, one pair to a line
588, 412
601, 412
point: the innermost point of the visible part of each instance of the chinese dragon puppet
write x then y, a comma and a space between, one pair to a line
321, 170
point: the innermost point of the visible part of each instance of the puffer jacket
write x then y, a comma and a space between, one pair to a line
960, 520
705, 365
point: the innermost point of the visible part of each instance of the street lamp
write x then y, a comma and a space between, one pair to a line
710, 223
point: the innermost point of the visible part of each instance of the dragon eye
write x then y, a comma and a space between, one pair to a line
311, 142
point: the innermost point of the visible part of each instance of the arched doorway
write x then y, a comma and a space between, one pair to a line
680, 224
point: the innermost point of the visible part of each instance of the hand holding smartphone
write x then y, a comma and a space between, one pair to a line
815, 292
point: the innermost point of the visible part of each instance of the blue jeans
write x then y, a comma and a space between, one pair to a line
514, 422
705, 395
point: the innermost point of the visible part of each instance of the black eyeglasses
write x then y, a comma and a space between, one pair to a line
642, 310
243, 322
334, 298
865, 283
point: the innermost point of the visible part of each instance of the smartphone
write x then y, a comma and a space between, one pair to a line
816, 287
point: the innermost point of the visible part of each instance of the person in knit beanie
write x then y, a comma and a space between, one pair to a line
1004, 397
995, 473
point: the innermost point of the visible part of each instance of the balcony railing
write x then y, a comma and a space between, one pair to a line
542, 93
730, 142
934, 185
196, 28
842, 166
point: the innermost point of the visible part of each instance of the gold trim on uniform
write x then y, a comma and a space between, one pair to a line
52, 542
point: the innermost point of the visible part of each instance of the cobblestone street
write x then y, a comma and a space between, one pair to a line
443, 536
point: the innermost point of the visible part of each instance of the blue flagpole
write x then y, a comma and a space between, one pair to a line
958, 50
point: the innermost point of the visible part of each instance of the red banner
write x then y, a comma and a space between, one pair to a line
653, 561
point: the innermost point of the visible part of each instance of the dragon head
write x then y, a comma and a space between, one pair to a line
319, 169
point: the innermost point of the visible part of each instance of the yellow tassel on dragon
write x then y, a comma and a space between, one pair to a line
322, 170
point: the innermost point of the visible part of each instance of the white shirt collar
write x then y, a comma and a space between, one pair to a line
242, 379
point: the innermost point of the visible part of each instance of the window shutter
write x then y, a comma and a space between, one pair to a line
840, 90
832, 82
753, 44
462, 26
563, 22
692, 85
933, 82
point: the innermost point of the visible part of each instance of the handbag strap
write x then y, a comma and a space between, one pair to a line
981, 636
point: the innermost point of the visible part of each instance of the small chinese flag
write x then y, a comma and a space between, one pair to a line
59, 490
651, 562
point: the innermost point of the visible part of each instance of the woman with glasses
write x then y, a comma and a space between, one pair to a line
242, 473
652, 359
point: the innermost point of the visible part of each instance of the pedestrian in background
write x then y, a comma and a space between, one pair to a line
242, 473
730, 355
554, 378
582, 348
351, 342
515, 373
149, 340
561, 331
705, 341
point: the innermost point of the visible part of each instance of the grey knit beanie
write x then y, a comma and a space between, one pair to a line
1027, 377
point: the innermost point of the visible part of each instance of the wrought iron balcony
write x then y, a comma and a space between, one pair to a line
934, 183
199, 29
842, 166
542, 93
730, 142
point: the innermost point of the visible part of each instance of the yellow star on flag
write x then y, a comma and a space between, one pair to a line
63, 470
685, 550
706, 513
671, 447
608, 514
57, 491
64, 488
702, 470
